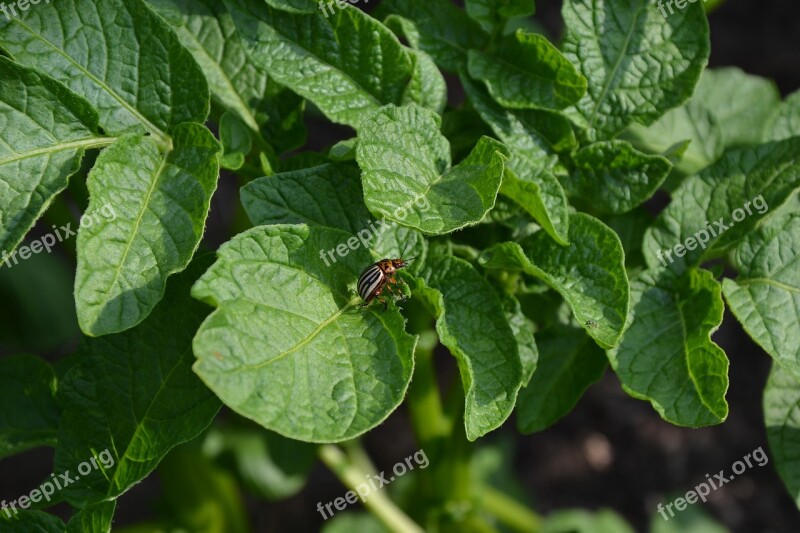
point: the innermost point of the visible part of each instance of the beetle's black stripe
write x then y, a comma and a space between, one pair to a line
371, 279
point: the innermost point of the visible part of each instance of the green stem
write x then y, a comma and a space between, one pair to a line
510, 512
377, 502
424, 402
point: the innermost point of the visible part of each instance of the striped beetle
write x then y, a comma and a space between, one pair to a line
378, 276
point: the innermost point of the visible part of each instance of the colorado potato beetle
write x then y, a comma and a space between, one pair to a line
378, 276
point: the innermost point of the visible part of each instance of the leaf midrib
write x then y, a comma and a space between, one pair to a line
613, 74
143, 419
87, 143
134, 231
160, 134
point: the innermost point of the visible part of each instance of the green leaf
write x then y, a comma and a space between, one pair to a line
782, 419
327, 195
638, 62
523, 329
614, 176
491, 14
742, 104
472, 325
691, 520
95, 518
589, 273
38, 311
691, 122
785, 122
527, 71
31, 522
713, 211
269, 465
534, 137
202, 496
569, 362
326, 370
537, 135
158, 207
437, 27
238, 84
541, 195
135, 395
666, 355
236, 140
406, 173
308, 54
44, 129
30, 414
120, 56
580, 521
765, 297
337, 202
427, 86
207, 30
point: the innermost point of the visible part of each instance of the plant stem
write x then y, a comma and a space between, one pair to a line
424, 402
510, 512
377, 502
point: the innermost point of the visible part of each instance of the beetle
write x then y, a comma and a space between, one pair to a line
378, 276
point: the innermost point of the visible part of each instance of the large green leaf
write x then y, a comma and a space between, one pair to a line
207, 30
589, 273
288, 345
437, 27
614, 176
323, 58
95, 518
713, 211
639, 63
237, 83
472, 325
666, 355
782, 419
526, 71
785, 122
535, 137
742, 104
568, 363
407, 176
44, 130
148, 213
765, 297
135, 395
691, 122
29, 417
119, 55
31, 522
337, 202
327, 195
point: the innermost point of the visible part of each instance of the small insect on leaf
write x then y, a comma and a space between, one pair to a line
379, 276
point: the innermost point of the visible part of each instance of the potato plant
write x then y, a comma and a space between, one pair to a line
538, 259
